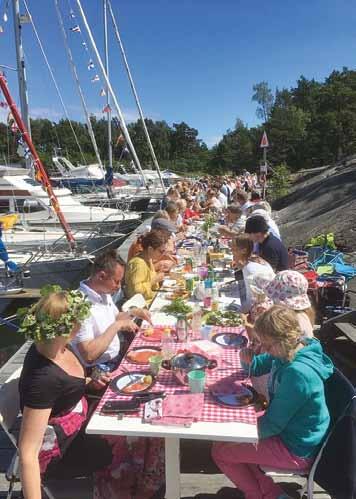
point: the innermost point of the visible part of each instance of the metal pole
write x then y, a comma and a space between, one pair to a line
108, 113
265, 174
21, 66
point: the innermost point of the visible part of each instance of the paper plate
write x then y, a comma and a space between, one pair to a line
140, 355
132, 383
241, 397
230, 340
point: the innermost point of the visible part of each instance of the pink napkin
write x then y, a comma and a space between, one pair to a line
181, 410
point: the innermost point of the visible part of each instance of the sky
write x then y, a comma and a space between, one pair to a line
192, 60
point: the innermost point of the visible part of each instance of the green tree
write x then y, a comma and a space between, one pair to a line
264, 97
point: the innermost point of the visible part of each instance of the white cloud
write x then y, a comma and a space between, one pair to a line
213, 140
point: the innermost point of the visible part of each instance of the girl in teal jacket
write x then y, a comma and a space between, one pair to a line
297, 419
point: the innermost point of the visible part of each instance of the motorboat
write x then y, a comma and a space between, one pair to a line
22, 194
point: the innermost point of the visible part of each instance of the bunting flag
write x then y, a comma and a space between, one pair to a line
1, 29
107, 109
85, 46
5, 18
4, 104
75, 29
102, 92
91, 65
23, 150
71, 14
96, 78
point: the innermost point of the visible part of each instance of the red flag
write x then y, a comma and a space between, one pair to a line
107, 109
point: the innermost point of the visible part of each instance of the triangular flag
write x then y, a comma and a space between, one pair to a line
96, 78
71, 13
102, 92
3, 104
107, 109
75, 29
85, 45
90, 64
1, 29
5, 17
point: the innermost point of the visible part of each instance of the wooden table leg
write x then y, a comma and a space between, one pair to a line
172, 468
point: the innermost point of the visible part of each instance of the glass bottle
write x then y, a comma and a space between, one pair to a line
167, 344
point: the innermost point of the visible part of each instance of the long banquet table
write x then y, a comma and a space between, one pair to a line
216, 423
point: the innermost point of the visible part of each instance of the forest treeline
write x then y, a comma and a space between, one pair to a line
309, 125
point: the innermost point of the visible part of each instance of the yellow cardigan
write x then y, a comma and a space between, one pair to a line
139, 277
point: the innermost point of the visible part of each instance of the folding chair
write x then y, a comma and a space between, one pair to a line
339, 394
9, 411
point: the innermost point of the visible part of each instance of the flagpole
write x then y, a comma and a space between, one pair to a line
113, 96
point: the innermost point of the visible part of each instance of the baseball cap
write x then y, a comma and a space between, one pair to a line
256, 224
289, 288
162, 223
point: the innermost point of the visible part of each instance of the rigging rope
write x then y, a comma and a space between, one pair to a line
77, 81
133, 88
54, 80
113, 96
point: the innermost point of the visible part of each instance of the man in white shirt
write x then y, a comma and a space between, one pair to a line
97, 340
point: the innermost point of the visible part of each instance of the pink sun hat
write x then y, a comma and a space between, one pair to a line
289, 288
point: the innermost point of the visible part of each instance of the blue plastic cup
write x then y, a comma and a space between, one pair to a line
206, 332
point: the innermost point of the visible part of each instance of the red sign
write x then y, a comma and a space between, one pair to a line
264, 141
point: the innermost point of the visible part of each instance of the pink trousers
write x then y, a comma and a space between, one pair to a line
240, 463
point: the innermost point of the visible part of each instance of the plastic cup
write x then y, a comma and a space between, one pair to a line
206, 332
196, 381
155, 364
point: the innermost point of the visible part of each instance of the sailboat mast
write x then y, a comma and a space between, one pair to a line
113, 96
108, 113
41, 172
21, 71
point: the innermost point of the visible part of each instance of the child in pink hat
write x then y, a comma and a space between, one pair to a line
290, 288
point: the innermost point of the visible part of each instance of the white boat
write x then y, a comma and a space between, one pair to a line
19, 193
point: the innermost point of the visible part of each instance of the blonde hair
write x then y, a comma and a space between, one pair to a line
53, 305
310, 312
281, 325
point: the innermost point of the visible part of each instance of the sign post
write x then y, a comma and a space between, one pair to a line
263, 169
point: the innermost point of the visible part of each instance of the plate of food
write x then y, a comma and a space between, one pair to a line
237, 395
178, 293
132, 383
141, 355
230, 340
152, 333
224, 318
